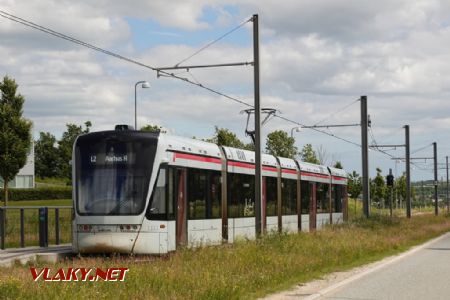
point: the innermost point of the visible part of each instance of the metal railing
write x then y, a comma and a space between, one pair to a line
22, 226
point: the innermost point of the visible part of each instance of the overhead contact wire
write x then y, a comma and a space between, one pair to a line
164, 73
213, 42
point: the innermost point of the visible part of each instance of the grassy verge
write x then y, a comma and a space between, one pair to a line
355, 210
242, 270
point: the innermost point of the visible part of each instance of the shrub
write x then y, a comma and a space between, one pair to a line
42, 193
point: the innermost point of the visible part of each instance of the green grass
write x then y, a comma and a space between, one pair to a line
244, 270
355, 210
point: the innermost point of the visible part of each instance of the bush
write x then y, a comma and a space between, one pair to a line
42, 193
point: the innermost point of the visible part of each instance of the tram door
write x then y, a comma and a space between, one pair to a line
180, 200
312, 207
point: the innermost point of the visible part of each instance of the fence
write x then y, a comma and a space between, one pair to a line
22, 226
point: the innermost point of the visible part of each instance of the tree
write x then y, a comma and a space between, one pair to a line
309, 155
378, 188
400, 189
151, 128
46, 155
15, 133
338, 165
322, 155
354, 185
249, 146
224, 137
65, 146
280, 144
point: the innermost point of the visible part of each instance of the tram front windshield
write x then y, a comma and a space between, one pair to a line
113, 173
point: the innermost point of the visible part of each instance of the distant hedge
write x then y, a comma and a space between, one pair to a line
42, 193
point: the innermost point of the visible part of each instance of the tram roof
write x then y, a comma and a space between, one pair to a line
309, 167
199, 147
249, 156
337, 172
287, 163
188, 145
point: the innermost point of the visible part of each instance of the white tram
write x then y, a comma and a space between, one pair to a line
140, 192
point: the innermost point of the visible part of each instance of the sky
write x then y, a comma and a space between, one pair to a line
317, 58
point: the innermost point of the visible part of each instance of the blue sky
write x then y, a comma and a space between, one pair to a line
147, 33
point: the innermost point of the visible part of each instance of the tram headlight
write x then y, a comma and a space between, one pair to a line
84, 228
108, 228
129, 228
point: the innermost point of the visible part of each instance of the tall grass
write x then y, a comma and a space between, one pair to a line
246, 269
355, 210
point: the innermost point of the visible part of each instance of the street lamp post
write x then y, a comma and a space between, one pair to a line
297, 129
145, 85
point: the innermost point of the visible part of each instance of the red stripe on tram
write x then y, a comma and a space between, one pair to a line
196, 158
250, 166
315, 175
289, 171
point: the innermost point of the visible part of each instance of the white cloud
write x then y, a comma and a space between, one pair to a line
178, 14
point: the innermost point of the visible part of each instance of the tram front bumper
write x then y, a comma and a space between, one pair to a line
106, 242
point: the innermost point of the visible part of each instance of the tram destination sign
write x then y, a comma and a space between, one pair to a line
100, 159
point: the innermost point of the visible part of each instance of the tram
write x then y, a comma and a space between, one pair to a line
149, 193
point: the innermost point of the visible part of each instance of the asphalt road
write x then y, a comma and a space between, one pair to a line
425, 274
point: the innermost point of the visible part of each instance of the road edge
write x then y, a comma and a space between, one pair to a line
376, 266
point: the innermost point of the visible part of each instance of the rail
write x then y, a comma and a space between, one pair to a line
22, 226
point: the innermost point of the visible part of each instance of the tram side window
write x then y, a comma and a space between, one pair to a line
337, 197
203, 194
241, 195
289, 196
196, 193
158, 201
322, 198
214, 210
271, 196
306, 196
